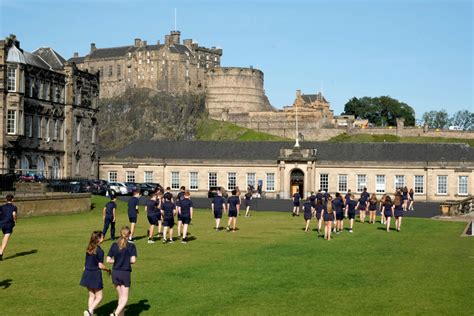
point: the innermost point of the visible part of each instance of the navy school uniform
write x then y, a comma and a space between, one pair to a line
109, 218
168, 208
132, 209
404, 196
307, 208
122, 267
365, 196
296, 199
347, 197
398, 212
248, 198
338, 206
179, 198
362, 204
186, 205
233, 202
218, 202
373, 205
412, 196
152, 212
387, 209
312, 199
351, 208
328, 217
92, 275
319, 196
7, 220
319, 209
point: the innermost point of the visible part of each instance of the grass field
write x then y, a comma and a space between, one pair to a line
208, 129
268, 267
365, 138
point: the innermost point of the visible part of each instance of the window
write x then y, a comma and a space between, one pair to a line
130, 176
39, 130
40, 166
56, 130
46, 91
324, 181
380, 183
55, 169
78, 131
399, 182
270, 182
342, 182
462, 185
11, 122
47, 129
193, 180
57, 95
29, 126
112, 176
11, 80
24, 165
110, 71
94, 128
442, 185
60, 129
175, 180
361, 182
78, 166
119, 71
212, 179
419, 184
101, 69
231, 180
148, 176
251, 179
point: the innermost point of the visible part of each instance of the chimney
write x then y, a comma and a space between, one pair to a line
158, 42
167, 40
93, 48
144, 43
137, 42
76, 54
298, 93
174, 35
188, 43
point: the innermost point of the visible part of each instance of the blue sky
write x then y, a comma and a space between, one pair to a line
420, 51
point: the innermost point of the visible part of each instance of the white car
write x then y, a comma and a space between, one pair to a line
118, 188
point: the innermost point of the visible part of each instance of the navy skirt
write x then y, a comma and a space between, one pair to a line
217, 213
121, 278
307, 216
168, 222
328, 217
398, 213
387, 214
92, 279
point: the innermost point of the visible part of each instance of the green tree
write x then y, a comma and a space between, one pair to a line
464, 119
436, 119
380, 111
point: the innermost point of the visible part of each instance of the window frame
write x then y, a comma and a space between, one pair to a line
339, 182
466, 184
251, 176
438, 177
130, 176
269, 188
146, 176
415, 183
192, 179
395, 181
359, 186
324, 187
174, 185
229, 187
378, 184
12, 124
209, 179
110, 173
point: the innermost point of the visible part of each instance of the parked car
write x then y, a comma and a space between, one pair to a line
131, 186
213, 192
118, 188
28, 177
99, 187
146, 188
80, 186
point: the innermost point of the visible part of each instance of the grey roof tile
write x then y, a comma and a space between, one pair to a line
51, 57
36, 61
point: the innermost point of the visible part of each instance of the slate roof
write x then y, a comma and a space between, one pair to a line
36, 61
308, 98
51, 57
326, 151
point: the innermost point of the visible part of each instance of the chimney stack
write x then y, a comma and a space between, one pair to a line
76, 54
93, 48
298, 93
137, 42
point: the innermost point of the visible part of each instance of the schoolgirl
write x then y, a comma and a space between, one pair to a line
411, 196
92, 275
248, 198
351, 206
185, 210
397, 210
372, 208
179, 197
362, 206
152, 211
387, 211
328, 216
133, 212
308, 213
296, 203
108, 214
168, 211
233, 205
217, 206
8, 218
382, 215
405, 199
338, 206
122, 255
319, 210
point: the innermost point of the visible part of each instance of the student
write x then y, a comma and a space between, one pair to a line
351, 205
320, 207
308, 212
382, 202
185, 210
179, 197
397, 211
312, 199
133, 211
338, 206
168, 210
411, 196
365, 195
233, 206
92, 276
122, 255
319, 195
217, 206
152, 211
159, 201
248, 198
296, 203
8, 216
347, 196
387, 211
405, 198
362, 207
108, 214
372, 209
328, 216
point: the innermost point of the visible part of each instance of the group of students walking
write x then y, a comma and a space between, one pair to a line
323, 207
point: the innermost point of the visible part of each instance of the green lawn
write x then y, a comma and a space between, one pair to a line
270, 266
365, 138
208, 129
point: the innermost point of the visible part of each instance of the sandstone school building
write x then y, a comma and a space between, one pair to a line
436, 172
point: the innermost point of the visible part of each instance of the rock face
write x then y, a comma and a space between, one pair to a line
143, 114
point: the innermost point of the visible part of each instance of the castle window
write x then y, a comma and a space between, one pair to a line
78, 131
46, 91
380, 183
119, 71
163, 62
56, 129
270, 182
39, 131
147, 61
231, 180
130, 176
211, 180
60, 130
442, 185
324, 181
94, 132
207, 57
251, 179
139, 61
47, 129
29, 126
101, 69
110, 71
419, 184
193, 180
148, 176
175, 180
112, 176
361, 182
399, 181
342, 182
11, 122
462, 185
11, 79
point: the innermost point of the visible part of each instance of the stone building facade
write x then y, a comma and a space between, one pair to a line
172, 66
436, 172
47, 114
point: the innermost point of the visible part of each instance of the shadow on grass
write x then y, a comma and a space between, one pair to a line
140, 237
384, 228
21, 254
191, 238
5, 284
131, 309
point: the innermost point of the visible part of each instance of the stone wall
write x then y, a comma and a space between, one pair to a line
51, 204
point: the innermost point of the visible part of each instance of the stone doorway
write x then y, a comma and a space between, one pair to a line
297, 182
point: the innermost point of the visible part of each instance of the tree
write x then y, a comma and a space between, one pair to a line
436, 119
380, 111
463, 119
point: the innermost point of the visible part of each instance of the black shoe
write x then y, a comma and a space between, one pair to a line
1, 257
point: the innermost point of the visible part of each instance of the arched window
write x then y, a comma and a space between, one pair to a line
40, 166
24, 165
55, 170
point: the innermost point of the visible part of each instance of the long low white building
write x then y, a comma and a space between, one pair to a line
436, 172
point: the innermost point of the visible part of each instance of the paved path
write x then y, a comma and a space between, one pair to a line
422, 209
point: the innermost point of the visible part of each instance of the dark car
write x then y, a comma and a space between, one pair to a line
146, 188
131, 186
99, 187
213, 192
28, 177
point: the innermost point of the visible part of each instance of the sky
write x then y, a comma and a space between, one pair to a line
417, 51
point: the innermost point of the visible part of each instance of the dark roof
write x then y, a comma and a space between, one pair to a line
326, 151
308, 98
51, 57
76, 60
36, 61
179, 49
